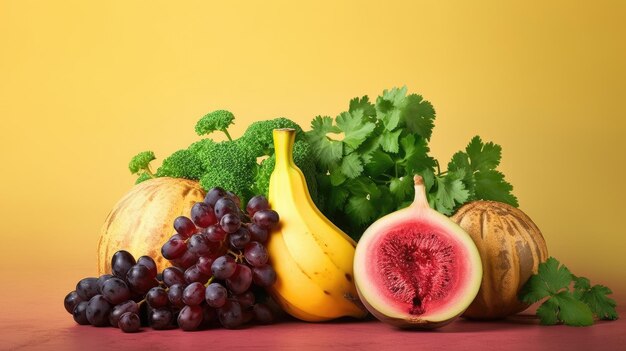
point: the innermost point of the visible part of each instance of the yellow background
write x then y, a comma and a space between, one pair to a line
84, 85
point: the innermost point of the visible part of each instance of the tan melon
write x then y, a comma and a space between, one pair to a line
511, 247
143, 219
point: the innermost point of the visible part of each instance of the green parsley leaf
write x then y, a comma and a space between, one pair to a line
418, 115
490, 185
328, 151
548, 312
377, 163
363, 104
450, 191
360, 209
416, 156
483, 156
596, 298
351, 166
389, 141
401, 187
355, 129
572, 311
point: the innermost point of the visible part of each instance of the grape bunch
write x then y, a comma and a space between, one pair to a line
220, 272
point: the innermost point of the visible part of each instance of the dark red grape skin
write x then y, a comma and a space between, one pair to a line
193, 294
257, 233
117, 311
80, 313
263, 314
203, 215
115, 291
215, 233
256, 254
173, 275
161, 319
204, 265
246, 299
98, 310
264, 276
129, 322
186, 261
140, 280
230, 223
223, 267
193, 274
71, 300
239, 282
121, 263
257, 203
235, 198
198, 244
184, 226
213, 195
266, 219
190, 317
175, 295
157, 297
87, 288
230, 315
103, 278
215, 295
149, 263
224, 206
239, 239
173, 249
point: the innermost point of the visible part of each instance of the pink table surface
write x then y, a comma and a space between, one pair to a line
517, 333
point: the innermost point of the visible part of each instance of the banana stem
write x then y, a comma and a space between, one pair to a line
283, 146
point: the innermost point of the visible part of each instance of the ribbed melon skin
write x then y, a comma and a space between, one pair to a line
143, 219
511, 247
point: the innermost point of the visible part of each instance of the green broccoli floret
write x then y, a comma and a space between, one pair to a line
182, 164
143, 177
229, 166
216, 120
258, 138
141, 162
303, 158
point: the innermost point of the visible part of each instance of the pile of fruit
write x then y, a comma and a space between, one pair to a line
363, 227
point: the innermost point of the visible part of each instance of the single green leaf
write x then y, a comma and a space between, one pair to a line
351, 165
599, 303
336, 198
490, 185
337, 177
364, 187
450, 191
363, 104
483, 156
415, 157
418, 115
572, 311
378, 162
355, 128
389, 141
328, 151
401, 187
548, 312
360, 209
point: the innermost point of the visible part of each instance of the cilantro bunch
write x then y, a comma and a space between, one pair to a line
367, 156
576, 307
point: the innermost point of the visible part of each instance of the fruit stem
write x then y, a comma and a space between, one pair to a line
209, 281
420, 199
283, 146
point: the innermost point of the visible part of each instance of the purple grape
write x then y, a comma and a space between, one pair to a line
98, 310
215, 295
80, 313
190, 318
149, 263
193, 294
241, 280
173, 249
264, 276
263, 314
161, 319
103, 278
115, 291
139, 279
223, 267
225, 206
157, 297
208, 316
202, 215
121, 263
198, 244
175, 295
257, 203
256, 254
230, 223
173, 275
204, 265
129, 322
235, 198
213, 195
184, 226
87, 288
230, 315
266, 219
239, 239
119, 310
194, 275
71, 300
215, 233
246, 299
257, 233
186, 261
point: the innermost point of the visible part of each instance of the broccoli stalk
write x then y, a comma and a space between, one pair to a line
213, 121
140, 164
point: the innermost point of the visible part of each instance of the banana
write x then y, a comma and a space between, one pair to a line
313, 258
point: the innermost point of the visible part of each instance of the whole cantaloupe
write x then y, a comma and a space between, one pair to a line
511, 248
143, 219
